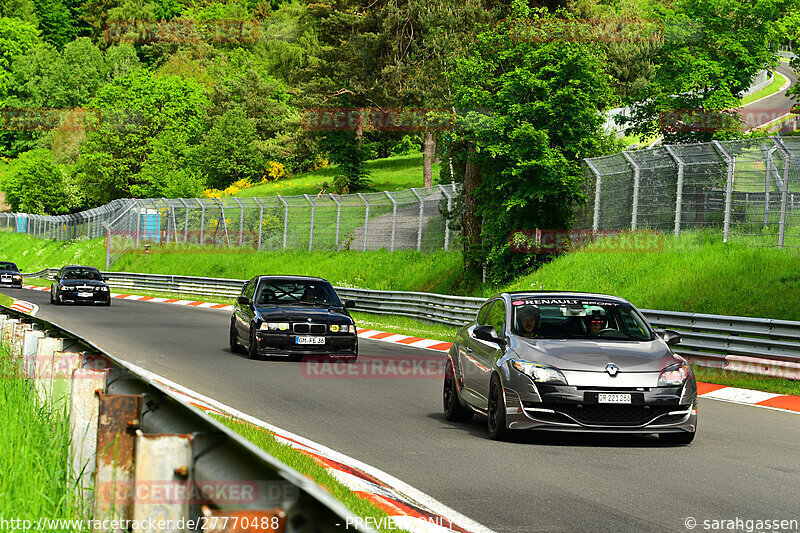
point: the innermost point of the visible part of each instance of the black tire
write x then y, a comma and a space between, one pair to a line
54, 298
108, 303
496, 419
233, 339
684, 437
252, 347
453, 410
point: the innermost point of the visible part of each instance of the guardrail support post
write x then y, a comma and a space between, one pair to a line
119, 418
83, 418
421, 213
679, 189
162, 461
285, 219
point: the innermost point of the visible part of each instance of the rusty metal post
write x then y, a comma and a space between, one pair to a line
162, 461
83, 411
119, 417
8, 328
17, 336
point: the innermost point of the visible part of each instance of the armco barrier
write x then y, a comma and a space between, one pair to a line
154, 457
772, 346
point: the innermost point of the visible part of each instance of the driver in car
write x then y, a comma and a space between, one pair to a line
595, 323
527, 320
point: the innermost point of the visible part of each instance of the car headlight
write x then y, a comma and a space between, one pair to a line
342, 328
17, 276
68, 288
275, 326
673, 375
540, 373
102, 289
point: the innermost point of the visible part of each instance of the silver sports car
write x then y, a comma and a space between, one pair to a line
565, 361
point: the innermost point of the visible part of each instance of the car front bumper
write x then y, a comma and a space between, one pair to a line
577, 408
343, 345
97, 297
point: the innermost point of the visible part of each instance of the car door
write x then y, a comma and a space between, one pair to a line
244, 312
466, 349
477, 353
486, 353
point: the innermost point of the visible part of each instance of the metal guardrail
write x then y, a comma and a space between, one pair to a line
708, 339
208, 454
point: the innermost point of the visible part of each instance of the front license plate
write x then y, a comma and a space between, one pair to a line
6, 280
613, 398
309, 340
85, 294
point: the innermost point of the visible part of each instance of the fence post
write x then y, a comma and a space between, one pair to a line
731, 164
394, 218
679, 190
787, 163
285, 219
224, 222
636, 178
260, 221
769, 165
338, 216
366, 220
447, 222
597, 184
241, 221
185, 222
421, 211
313, 212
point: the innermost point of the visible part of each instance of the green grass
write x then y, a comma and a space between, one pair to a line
33, 455
32, 254
396, 173
306, 465
747, 381
6, 300
772, 88
404, 325
693, 273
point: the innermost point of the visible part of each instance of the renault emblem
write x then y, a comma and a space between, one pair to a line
612, 369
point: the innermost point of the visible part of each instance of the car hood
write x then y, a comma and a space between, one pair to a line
587, 355
82, 282
318, 314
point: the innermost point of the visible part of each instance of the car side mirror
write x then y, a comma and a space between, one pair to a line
104, 278
671, 337
349, 304
244, 300
488, 334
56, 278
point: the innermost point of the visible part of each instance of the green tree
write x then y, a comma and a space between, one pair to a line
228, 151
707, 71
36, 185
16, 39
150, 133
542, 107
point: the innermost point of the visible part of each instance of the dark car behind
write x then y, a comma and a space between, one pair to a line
80, 284
10, 275
292, 316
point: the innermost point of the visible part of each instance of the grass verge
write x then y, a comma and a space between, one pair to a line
306, 465
744, 380
404, 325
395, 173
33, 454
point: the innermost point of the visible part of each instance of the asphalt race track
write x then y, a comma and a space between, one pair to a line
745, 461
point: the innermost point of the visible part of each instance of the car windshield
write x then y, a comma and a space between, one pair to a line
82, 273
294, 292
4, 265
569, 318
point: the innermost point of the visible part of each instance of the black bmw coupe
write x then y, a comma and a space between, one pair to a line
285, 316
10, 275
78, 284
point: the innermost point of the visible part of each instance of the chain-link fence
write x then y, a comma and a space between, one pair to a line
750, 189
404, 220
